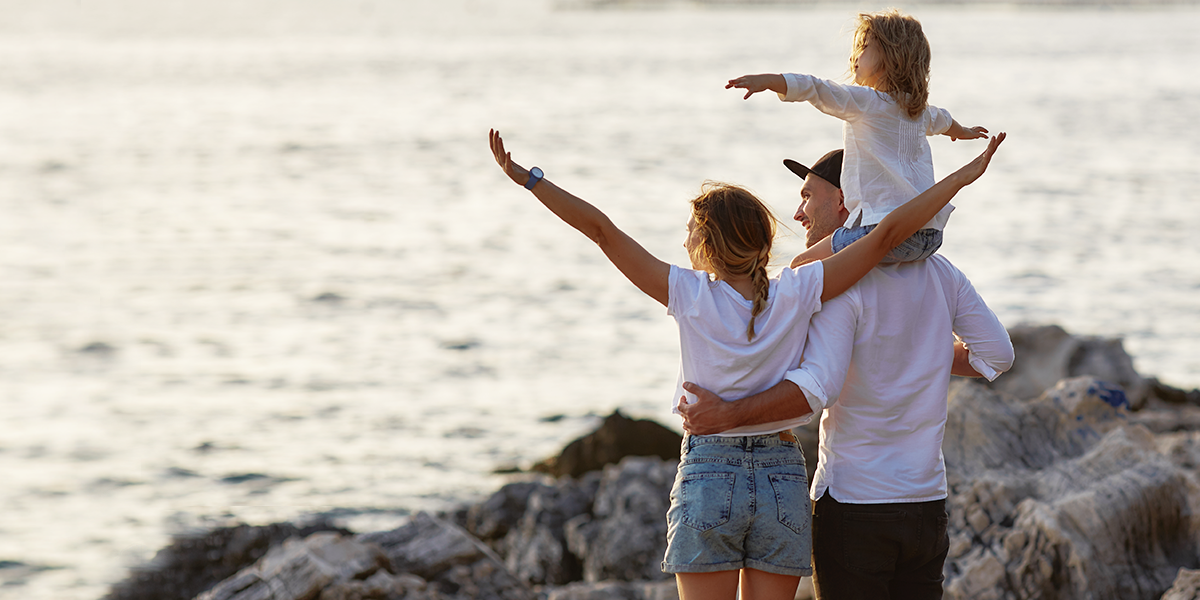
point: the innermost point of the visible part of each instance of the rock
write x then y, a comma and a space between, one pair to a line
301, 569
1047, 354
379, 586
492, 519
452, 560
195, 562
536, 549
625, 537
1062, 497
616, 438
1172, 395
617, 590
1186, 587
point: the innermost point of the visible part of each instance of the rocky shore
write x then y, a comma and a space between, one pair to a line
1071, 477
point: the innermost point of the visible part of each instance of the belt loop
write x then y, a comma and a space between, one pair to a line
748, 443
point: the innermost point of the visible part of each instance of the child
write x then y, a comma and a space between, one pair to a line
739, 507
887, 160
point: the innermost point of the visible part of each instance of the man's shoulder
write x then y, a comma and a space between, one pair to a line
917, 273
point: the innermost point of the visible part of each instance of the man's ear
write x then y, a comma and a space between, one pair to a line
841, 199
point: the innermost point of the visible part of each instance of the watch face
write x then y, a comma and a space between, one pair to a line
536, 172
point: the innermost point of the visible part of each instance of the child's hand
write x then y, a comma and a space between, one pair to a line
971, 133
754, 84
515, 172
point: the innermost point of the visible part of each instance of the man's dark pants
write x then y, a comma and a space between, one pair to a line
874, 551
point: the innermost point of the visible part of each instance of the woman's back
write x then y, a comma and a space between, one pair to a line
714, 350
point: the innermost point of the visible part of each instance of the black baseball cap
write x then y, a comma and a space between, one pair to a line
828, 167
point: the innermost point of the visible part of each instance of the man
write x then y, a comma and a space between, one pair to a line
878, 362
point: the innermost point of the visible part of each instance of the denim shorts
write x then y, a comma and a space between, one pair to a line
919, 246
740, 503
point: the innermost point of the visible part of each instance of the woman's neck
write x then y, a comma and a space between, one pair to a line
742, 284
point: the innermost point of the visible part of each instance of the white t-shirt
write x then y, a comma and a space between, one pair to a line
887, 160
878, 361
714, 351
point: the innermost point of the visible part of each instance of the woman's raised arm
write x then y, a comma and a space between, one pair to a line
845, 268
645, 271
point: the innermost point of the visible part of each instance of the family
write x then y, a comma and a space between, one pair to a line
864, 330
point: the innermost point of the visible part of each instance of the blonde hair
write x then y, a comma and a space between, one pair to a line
904, 52
734, 232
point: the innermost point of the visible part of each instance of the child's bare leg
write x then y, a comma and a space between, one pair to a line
818, 251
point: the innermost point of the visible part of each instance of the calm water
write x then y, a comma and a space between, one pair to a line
257, 263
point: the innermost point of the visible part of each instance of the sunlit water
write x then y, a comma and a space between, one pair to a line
257, 263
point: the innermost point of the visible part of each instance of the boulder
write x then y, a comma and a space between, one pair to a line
536, 549
194, 562
301, 569
454, 562
1046, 354
617, 590
1186, 587
492, 519
625, 536
616, 438
1061, 497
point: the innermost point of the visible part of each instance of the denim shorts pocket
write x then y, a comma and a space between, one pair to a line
707, 499
791, 499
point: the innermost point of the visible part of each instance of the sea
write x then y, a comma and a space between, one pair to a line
257, 263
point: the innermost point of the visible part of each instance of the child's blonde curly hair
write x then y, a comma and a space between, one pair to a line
904, 52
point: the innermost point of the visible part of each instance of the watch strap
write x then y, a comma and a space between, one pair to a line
535, 175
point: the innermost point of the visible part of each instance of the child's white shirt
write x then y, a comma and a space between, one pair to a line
887, 159
714, 352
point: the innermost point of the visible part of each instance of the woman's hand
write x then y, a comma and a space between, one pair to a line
974, 169
515, 172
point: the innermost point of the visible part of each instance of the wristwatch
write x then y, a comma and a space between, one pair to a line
535, 175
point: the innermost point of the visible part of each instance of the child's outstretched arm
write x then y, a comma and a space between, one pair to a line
645, 271
958, 132
845, 268
754, 84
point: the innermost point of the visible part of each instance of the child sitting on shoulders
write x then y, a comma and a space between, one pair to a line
887, 116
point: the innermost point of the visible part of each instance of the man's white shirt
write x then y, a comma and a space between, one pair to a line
877, 362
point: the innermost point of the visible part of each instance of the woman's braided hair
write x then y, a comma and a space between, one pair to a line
735, 232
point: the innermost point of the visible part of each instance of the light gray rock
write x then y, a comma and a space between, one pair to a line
1186, 587
381, 586
1062, 497
493, 518
1046, 354
301, 569
455, 563
625, 537
536, 549
617, 590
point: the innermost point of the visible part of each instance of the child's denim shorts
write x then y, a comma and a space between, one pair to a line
919, 246
740, 503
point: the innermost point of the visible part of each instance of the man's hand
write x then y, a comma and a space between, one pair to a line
708, 415
515, 172
754, 84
